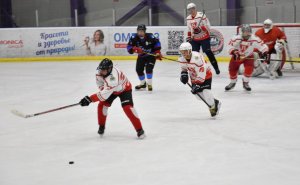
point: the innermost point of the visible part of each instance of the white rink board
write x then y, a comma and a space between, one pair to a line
254, 141
68, 41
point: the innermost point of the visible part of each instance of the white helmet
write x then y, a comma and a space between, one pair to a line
191, 5
268, 25
185, 46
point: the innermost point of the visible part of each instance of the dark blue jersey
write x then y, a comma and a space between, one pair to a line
149, 44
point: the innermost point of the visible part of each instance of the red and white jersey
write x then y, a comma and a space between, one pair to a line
194, 22
115, 83
197, 68
271, 37
247, 47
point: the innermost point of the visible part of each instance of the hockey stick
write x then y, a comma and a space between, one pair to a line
20, 114
200, 96
162, 57
261, 59
293, 61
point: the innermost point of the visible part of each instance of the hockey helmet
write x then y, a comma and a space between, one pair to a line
268, 25
105, 64
186, 46
246, 31
190, 5
141, 27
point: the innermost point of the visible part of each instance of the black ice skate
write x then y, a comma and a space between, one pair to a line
246, 86
230, 86
279, 72
101, 130
215, 110
142, 86
141, 134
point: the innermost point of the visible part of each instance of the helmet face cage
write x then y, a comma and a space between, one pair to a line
246, 31
268, 23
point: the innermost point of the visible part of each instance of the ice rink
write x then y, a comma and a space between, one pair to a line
255, 140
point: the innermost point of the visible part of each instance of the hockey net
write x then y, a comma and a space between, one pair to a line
292, 31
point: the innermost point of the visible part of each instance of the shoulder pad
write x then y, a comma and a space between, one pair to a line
133, 36
150, 35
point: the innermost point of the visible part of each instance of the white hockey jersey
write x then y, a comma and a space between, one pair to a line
246, 48
194, 22
115, 83
197, 67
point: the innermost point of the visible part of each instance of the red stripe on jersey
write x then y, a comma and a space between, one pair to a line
94, 98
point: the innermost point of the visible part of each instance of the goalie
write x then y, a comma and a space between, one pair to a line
275, 39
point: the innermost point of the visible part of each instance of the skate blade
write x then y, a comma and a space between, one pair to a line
141, 89
142, 137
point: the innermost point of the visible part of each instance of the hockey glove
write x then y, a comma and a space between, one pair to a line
158, 55
281, 41
195, 88
265, 56
85, 101
235, 54
184, 78
137, 50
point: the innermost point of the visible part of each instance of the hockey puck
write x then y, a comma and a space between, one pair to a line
71, 162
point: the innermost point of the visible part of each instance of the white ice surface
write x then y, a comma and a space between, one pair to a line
254, 141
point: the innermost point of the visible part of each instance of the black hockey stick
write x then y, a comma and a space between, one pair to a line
200, 96
20, 114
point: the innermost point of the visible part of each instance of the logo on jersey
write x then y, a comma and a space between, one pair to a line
112, 78
216, 41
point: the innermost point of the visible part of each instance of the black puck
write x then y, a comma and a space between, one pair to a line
71, 162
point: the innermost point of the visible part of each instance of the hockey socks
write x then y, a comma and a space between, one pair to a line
133, 117
102, 113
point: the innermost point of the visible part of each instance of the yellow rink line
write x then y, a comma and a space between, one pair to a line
83, 58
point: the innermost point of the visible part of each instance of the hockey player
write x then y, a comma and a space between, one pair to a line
276, 40
194, 65
198, 34
113, 83
242, 48
142, 43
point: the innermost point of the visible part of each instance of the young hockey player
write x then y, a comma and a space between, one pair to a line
113, 83
194, 65
242, 48
142, 43
275, 40
198, 34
